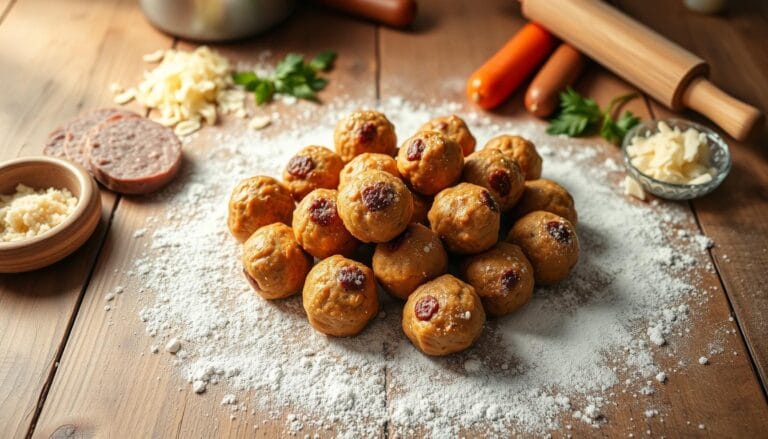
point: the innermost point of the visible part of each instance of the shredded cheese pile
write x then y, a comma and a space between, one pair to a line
673, 156
187, 88
29, 212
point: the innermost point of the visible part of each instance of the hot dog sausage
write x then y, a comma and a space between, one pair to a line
560, 71
396, 13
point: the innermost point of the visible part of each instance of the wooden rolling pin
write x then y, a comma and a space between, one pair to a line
661, 68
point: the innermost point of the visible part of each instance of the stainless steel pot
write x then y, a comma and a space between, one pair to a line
215, 20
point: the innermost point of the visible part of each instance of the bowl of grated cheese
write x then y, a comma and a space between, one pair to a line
49, 207
674, 159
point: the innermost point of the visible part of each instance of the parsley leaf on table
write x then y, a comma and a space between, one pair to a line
579, 115
293, 76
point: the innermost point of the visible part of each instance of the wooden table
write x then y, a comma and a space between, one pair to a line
63, 372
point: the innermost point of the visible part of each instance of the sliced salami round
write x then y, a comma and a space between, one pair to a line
79, 128
133, 156
54, 146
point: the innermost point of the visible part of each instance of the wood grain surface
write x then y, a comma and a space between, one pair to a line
736, 214
107, 384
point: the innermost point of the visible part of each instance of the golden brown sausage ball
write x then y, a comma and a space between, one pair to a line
454, 127
364, 131
409, 260
311, 168
318, 227
546, 195
274, 263
522, 150
550, 243
366, 162
466, 217
430, 162
375, 206
496, 172
443, 316
502, 277
256, 202
340, 296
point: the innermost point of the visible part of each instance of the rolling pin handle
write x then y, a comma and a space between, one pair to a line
733, 116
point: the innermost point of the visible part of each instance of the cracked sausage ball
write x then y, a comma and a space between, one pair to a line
256, 202
375, 206
454, 127
522, 150
502, 277
496, 172
546, 195
466, 217
364, 131
311, 168
414, 257
274, 263
550, 243
340, 296
318, 227
430, 162
366, 162
443, 316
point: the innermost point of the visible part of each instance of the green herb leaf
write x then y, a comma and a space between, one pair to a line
292, 77
579, 115
323, 61
264, 92
244, 78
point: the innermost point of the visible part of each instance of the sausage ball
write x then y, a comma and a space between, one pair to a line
256, 202
466, 217
274, 263
454, 127
311, 168
375, 206
546, 195
502, 277
430, 162
522, 150
421, 206
340, 296
318, 227
409, 260
366, 162
443, 316
364, 131
550, 243
496, 172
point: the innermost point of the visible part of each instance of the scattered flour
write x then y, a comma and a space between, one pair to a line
530, 372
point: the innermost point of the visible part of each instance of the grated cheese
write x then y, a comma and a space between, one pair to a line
673, 156
28, 212
187, 89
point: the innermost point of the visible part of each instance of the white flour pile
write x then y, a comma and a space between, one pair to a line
555, 362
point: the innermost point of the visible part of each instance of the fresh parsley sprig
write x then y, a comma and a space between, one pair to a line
579, 115
293, 76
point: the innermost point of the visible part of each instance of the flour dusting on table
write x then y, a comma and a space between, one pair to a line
557, 361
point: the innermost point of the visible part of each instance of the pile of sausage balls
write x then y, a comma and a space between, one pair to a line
433, 206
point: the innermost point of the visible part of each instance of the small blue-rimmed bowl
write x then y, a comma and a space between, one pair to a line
720, 159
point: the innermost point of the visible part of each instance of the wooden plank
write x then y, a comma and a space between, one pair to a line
735, 214
739, 409
49, 78
104, 369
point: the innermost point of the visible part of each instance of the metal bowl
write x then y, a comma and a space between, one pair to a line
720, 159
215, 20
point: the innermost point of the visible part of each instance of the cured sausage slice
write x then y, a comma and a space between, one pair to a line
133, 155
78, 129
54, 145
